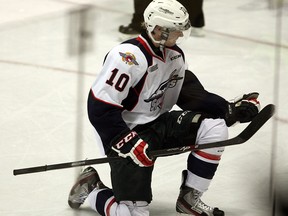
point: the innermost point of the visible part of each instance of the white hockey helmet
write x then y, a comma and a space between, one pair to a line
168, 14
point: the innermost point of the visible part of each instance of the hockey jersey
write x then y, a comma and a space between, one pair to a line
138, 83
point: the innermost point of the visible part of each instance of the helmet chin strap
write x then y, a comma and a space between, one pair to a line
164, 37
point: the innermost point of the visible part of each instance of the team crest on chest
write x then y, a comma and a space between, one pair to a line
156, 99
128, 58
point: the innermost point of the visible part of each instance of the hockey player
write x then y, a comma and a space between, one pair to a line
130, 105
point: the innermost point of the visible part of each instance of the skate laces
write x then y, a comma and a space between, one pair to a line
196, 195
81, 196
203, 206
199, 203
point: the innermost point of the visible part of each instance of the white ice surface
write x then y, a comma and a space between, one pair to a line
43, 116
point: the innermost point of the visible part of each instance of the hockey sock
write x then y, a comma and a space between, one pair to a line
101, 200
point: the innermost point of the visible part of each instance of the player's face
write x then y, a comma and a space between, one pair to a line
173, 37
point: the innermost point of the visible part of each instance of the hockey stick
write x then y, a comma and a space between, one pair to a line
263, 116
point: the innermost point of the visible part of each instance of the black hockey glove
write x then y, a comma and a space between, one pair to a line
131, 145
242, 109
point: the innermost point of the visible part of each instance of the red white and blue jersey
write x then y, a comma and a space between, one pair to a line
143, 83
137, 84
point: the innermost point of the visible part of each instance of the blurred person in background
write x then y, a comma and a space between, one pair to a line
194, 8
196, 16
135, 26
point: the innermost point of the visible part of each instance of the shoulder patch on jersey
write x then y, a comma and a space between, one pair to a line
175, 57
153, 68
128, 58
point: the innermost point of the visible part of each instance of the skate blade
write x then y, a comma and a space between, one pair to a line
178, 214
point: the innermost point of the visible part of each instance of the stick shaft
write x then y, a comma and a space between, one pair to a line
62, 165
245, 135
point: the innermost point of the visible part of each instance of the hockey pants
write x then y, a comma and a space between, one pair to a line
201, 168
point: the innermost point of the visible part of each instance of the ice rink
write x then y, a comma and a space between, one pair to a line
44, 86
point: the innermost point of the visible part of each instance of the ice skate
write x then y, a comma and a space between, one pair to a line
130, 30
86, 182
189, 202
127, 33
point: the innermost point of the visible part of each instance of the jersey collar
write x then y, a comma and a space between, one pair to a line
149, 46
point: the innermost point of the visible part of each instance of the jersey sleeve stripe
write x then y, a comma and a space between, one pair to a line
96, 98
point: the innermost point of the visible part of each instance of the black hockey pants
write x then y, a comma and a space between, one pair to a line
172, 129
